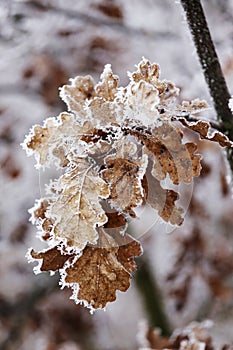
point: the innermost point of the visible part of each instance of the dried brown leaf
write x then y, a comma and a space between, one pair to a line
203, 129
56, 138
171, 156
77, 93
150, 73
128, 250
164, 201
115, 220
191, 107
52, 259
107, 87
103, 112
39, 210
98, 274
124, 177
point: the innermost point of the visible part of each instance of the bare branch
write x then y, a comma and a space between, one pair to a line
116, 25
210, 63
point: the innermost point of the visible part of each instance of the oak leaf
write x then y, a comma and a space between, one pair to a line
164, 201
76, 210
55, 138
77, 93
115, 148
124, 177
101, 271
203, 128
51, 259
170, 155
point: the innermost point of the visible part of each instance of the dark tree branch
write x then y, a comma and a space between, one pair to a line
210, 63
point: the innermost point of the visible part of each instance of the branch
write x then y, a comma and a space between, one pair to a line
210, 63
151, 297
116, 25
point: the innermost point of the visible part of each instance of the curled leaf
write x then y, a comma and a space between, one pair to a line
52, 259
203, 129
164, 201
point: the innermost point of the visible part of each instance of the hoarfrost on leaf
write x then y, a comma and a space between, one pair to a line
114, 148
76, 210
101, 271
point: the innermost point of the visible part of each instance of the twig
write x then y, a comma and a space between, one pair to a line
211, 67
209, 60
152, 299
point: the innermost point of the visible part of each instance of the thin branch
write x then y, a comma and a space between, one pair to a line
152, 298
210, 63
100, 22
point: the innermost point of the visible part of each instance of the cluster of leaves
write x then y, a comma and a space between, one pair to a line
116, 145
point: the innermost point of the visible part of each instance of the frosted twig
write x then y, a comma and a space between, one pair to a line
209, 61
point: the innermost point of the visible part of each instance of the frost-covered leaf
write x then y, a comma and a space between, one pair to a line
124, 177
51, 259
39, 210
139, 104
191, 107
203, 129
76, 210
170, 155
194, 336
77, 93
101, 271
150, 73
164, 201
128, 250
55, 139
107, 87
93, 102
114, 151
